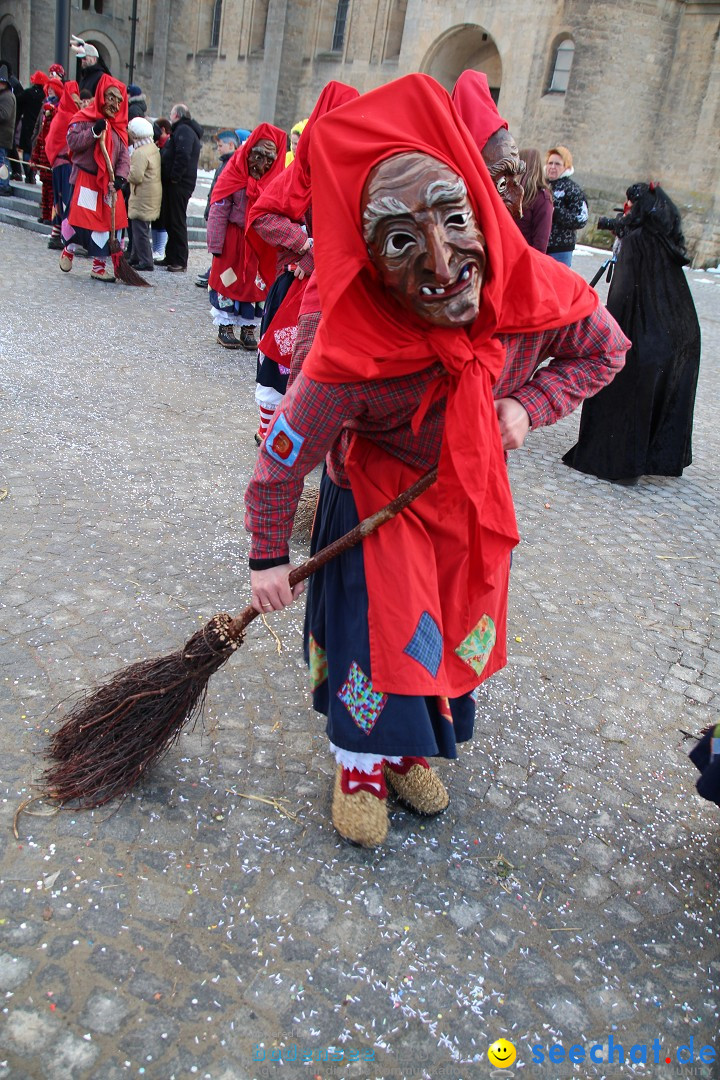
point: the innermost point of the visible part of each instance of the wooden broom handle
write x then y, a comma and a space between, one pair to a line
105, 154
110, 169
343, 543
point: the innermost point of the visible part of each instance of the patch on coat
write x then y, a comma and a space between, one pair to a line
282, 442
318, 663
87, 198
426, 645
477, 646
285, 339
362, 702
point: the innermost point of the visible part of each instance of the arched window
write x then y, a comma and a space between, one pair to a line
395, 30
560, 77
340, 24
258, 27
215, 28
10, 48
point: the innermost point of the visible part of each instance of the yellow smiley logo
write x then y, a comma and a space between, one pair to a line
501, 1054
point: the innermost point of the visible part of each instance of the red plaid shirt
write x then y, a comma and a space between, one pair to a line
320, 419
288, 237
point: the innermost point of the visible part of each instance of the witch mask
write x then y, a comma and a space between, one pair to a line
423, 238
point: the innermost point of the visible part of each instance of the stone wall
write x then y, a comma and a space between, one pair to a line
643, 98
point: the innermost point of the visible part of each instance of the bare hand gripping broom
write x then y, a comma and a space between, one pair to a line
119, 731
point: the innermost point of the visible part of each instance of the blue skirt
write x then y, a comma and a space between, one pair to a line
337, 651
243, 309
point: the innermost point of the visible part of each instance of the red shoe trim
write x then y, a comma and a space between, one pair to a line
406, 765
352, 780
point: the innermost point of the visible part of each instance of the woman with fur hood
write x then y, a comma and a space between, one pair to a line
570, 209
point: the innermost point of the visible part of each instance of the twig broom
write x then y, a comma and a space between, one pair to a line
119, 731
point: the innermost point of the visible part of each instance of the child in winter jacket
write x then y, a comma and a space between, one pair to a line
145, 191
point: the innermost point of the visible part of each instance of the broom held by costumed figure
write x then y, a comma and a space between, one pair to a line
89, 220
428, 291
641, 425
238, 275
282, 217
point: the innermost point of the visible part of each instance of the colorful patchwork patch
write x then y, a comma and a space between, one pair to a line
477, 646
426, 645
282, 443
285, 339
362, 702
318, 663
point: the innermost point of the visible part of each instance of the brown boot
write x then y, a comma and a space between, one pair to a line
226, 338
359, 807
417, 786
247, 338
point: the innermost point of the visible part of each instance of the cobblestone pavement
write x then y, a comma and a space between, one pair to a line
568, 894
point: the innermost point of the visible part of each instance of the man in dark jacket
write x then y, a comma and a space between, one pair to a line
92, 64
7, 126
179, 162
29, 104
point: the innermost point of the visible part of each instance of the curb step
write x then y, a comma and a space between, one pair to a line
21, 208
22, 221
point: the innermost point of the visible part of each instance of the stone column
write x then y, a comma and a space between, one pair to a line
160, 56
272, 61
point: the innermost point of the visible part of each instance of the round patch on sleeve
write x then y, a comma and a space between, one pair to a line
282, 442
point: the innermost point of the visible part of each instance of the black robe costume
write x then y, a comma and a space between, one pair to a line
641, 423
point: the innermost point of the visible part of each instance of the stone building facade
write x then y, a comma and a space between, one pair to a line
631, 86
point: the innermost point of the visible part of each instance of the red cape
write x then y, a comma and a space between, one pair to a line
290, 193
66, 110
473, 101
238, 262
118, 124
235, 174
448, 556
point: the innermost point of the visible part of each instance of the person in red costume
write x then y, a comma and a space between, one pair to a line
473, 100
39, 158
238, 277
58, 155
102, 122
282, 217
428, 291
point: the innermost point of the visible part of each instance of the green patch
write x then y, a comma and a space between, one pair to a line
477, 646
318, 664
